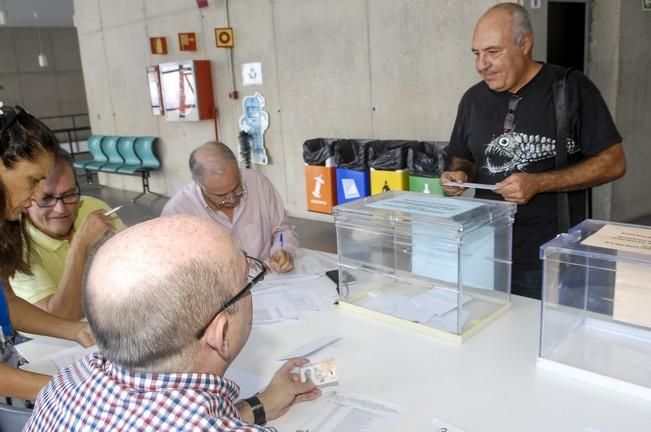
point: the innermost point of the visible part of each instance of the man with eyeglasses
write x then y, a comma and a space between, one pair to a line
168, 326
243, 203
505, 135
64, 227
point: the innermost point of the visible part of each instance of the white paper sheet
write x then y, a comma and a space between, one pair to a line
43, 346
273, 307
311, 347
448, 321
249, 383
438, 301
471, 185
433, 306
50, 365
347, 412
308, 266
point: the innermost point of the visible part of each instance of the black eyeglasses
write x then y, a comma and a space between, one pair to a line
51, 201
257, 270
228, 198
509, 120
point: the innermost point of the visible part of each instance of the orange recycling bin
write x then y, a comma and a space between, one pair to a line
320, 188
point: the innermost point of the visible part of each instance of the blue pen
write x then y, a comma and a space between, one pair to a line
282, 241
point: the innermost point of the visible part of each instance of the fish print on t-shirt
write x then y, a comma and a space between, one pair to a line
515, 151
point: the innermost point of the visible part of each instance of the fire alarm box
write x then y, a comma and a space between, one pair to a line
187, 90
155, 90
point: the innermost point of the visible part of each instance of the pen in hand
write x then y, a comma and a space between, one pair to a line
282, 241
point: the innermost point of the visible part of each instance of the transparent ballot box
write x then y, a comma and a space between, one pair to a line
596, 308
439, 265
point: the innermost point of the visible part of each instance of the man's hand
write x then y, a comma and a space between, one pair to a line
93, 229
286, 389
455, 177
518, 188
282, 261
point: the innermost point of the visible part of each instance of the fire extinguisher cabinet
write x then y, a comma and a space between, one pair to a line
187, 90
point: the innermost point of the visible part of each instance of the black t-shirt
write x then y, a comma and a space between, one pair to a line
479, 136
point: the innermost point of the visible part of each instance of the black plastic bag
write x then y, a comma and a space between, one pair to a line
389, 155
351, 154
317, 150
426, 158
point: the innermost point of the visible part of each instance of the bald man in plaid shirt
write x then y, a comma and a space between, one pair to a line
169, 304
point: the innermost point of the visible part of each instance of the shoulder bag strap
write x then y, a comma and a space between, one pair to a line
562, 134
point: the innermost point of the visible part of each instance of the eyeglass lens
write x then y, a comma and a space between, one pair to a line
71, 198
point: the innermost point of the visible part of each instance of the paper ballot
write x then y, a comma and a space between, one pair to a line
471, 185
337, 411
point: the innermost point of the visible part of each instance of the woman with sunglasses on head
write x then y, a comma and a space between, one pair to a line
27, 147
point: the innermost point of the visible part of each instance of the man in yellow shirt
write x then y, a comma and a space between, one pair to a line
64, 228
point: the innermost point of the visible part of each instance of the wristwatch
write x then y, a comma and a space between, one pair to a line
259, 416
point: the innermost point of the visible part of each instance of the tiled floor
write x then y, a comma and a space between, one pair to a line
312, 234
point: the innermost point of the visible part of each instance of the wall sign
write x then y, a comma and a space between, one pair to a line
158, 45
224, 37
188, 41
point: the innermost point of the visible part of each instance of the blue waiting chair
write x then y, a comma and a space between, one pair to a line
127, 149
115, 159
95, 149
107, 143
143, 149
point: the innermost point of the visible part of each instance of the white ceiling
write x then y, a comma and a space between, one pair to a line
51, 13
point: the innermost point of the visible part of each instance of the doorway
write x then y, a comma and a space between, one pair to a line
567, 33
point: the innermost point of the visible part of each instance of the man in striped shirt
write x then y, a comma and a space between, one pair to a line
169, 304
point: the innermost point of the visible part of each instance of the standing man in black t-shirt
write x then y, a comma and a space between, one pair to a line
505, 134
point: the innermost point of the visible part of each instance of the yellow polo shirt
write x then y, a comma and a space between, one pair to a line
48, 260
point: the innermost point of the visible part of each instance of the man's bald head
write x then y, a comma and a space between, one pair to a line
151, 287
514, 14
212, 159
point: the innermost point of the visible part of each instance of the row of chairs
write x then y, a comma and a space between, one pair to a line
122, 155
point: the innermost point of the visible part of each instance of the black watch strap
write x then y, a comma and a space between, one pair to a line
259, 416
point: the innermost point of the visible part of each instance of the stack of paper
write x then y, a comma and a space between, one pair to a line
435, 308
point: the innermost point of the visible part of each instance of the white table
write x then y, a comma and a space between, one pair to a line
488, 384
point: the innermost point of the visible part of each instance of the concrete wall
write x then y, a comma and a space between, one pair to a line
55, 90
631, 194
337, 68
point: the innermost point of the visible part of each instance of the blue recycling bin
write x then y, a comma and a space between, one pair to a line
352, 185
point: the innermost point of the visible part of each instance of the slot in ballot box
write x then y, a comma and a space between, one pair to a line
596, 306
439, 265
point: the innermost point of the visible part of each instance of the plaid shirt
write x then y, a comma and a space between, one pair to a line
96, 395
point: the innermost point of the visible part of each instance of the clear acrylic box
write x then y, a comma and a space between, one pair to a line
596, 307
439, 265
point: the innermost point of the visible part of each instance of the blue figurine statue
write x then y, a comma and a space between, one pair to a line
255, 121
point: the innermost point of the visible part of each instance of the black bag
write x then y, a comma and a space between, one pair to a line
426, 158
389, 155
317, 150
351, 154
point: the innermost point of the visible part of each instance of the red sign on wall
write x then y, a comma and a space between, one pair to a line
188, 41
158, 45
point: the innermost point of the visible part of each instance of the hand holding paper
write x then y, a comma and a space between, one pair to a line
286, 389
